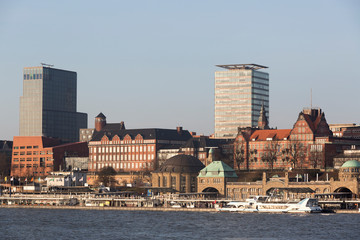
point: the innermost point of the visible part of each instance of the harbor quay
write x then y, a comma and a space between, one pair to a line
168, 203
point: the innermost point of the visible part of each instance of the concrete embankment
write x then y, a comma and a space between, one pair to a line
114, 208
346, 211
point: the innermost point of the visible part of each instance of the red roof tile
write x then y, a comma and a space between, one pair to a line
278, 134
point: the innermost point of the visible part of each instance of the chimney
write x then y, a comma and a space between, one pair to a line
179, 130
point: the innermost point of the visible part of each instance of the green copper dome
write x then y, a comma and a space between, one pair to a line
351, 163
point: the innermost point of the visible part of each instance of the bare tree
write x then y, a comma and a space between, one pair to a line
239, 154
271, 153
296, 153
107, 176
316, 158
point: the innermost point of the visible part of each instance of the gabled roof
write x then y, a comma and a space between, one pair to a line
111, 130
274, 134
101, 115
218, 169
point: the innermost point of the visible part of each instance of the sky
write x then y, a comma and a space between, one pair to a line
151, 64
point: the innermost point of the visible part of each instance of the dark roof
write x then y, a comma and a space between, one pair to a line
182, 164
111, 130
101, 115
203, 142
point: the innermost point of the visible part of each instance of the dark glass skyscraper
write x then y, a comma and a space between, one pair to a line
48, 104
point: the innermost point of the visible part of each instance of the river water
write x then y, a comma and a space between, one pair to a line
94, 224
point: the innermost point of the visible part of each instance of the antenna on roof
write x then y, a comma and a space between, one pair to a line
47, 65
311, 98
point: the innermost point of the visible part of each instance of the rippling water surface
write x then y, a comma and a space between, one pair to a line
92, 224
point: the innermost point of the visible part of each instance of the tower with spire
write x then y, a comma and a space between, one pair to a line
263, 122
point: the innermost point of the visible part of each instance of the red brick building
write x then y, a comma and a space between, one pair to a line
309, 144
345, 130
130, 150
38, 156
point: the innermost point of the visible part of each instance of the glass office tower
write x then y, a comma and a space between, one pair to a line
48, 104
240, 91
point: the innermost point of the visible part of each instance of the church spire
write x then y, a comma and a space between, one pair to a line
263, 122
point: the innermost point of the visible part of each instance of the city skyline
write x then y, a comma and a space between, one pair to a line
150, 66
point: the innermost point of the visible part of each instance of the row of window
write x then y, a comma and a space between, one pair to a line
30, 165
23, 147
122, 157
122, 149
123, 165
29, 159
32, 153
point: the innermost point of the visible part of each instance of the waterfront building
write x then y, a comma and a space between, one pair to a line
215, 176
309, 144
345, 130
129, 150
66, 179
288, 185
347, 155
48, 104
240, 91
85, 134
35, 156
178, 173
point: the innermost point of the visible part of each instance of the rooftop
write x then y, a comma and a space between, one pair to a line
250, 66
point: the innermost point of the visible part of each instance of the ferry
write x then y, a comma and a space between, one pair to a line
261, 204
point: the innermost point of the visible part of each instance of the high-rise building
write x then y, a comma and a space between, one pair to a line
240, 92
48, 104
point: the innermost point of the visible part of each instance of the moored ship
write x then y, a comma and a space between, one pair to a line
261, 204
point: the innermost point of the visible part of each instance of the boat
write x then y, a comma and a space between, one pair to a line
261, 204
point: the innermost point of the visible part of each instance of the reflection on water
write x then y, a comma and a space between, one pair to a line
92, 224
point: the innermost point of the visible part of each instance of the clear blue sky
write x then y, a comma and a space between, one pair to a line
152, 63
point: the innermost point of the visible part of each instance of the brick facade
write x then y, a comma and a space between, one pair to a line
38, 156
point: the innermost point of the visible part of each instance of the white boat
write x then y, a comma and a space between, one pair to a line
261, 204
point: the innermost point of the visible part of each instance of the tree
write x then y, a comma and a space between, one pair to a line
239, 154
107, 176
316, 158
271, 153
296, 153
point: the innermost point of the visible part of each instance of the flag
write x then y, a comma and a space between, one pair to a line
81, 179
74, 179
66, 179
11, 179
25, 179
5, 179
39, 179
32, 179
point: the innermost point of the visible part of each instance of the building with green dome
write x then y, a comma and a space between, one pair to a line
349, 171
215, 176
